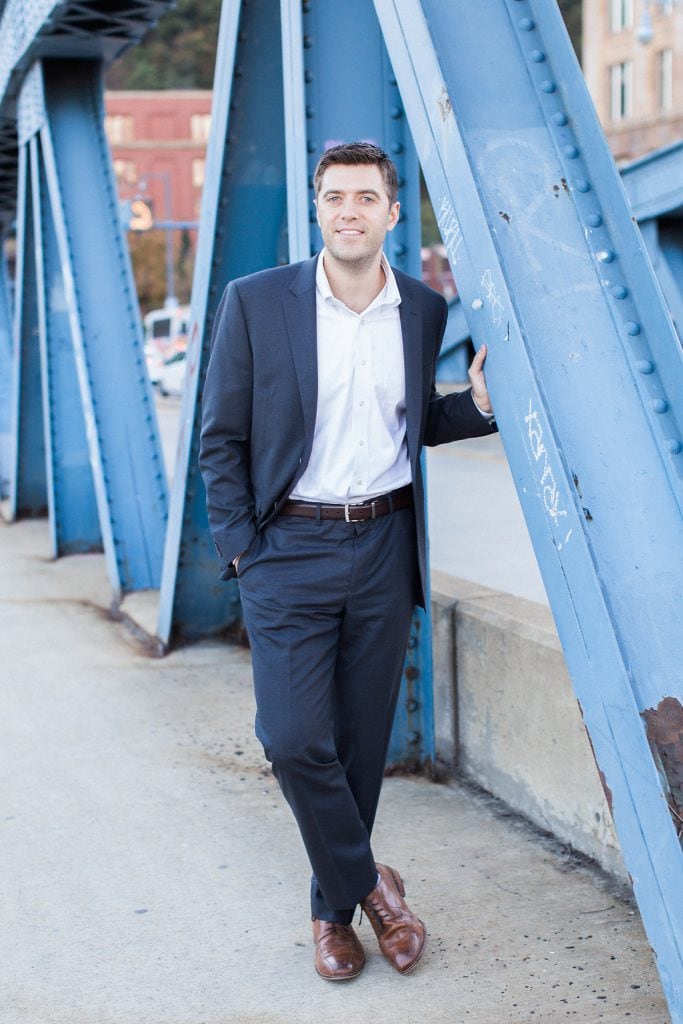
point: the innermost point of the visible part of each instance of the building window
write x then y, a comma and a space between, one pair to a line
119, 128
198, 172
666, 79
621, 82
126, 172
200, 126
622, 14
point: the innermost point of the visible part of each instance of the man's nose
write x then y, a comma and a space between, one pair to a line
349, 210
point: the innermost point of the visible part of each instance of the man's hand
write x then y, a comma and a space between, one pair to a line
478, 381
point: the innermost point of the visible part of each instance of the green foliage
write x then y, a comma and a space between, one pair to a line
179, 53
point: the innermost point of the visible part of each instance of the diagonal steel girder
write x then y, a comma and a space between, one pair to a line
586, 375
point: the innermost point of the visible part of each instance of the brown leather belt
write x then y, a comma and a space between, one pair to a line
352, 512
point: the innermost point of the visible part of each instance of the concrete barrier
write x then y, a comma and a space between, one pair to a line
507, 718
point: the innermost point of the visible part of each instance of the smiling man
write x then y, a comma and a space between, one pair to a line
319, 396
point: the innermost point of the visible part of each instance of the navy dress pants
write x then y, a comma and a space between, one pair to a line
328, 605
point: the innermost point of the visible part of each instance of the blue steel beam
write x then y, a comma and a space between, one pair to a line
72, 507
664, 241
28, 482
123, 442
454, 358
242, 229
654, 184
34, 29
586, 375
325, 105
5, 375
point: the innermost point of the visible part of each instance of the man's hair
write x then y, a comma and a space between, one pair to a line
351, 153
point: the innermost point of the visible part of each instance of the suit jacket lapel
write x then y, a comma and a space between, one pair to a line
300, 320
411, 330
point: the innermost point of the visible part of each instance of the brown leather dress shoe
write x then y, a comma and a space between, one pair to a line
402, 936
338, 952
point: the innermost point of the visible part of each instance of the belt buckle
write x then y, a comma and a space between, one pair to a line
347, 514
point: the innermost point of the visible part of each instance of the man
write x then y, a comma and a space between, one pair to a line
319, 396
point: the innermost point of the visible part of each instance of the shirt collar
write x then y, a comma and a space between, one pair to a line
388, 296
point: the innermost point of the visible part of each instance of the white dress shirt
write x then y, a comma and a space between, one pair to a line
359, 445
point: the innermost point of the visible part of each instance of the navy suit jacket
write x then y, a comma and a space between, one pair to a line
260, 398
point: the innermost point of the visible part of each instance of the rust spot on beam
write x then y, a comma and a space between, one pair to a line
603, 778
664, 726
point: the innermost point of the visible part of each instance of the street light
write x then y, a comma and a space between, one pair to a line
644, 32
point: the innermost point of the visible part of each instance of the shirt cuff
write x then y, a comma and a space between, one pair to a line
486, 415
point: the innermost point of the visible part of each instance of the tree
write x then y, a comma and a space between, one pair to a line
179, 53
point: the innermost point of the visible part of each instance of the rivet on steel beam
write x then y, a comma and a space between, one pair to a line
571, 152
581, 185
527, 25
308, 42
619, 291
310, 113
594, 220
645, 366
560, 118
400, 250
548, 86
411, 705
414, 738
395, 113
606, 255
537, 56
396, 147
632, 328
392, 80
308, 77
659, 405
674, 446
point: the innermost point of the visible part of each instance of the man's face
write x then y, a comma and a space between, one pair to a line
354, 212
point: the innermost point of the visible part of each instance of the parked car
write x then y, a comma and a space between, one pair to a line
154, 360
172, 374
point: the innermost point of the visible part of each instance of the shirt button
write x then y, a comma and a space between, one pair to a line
360, 403
359, 481
360, 443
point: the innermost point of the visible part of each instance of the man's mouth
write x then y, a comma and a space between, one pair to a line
351, 232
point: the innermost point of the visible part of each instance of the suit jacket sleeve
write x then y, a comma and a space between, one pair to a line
224, 456
452, 417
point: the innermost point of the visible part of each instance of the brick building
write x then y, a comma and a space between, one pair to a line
158, 138
633, 64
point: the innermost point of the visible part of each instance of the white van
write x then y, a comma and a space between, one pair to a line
166, 332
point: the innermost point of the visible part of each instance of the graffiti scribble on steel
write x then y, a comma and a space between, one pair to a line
450, 229
549, 488
493, 298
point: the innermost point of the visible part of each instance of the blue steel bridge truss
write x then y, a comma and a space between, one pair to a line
584, 363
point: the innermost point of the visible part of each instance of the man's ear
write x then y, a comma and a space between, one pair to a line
394, 211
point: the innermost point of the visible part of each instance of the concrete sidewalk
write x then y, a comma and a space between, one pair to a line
150, 872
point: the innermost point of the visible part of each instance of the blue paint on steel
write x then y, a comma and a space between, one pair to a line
243, 229
455, 355
74, 524
325, 106
542, 241
5, 376
654, 183
28, 483
125, 453
664, 241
